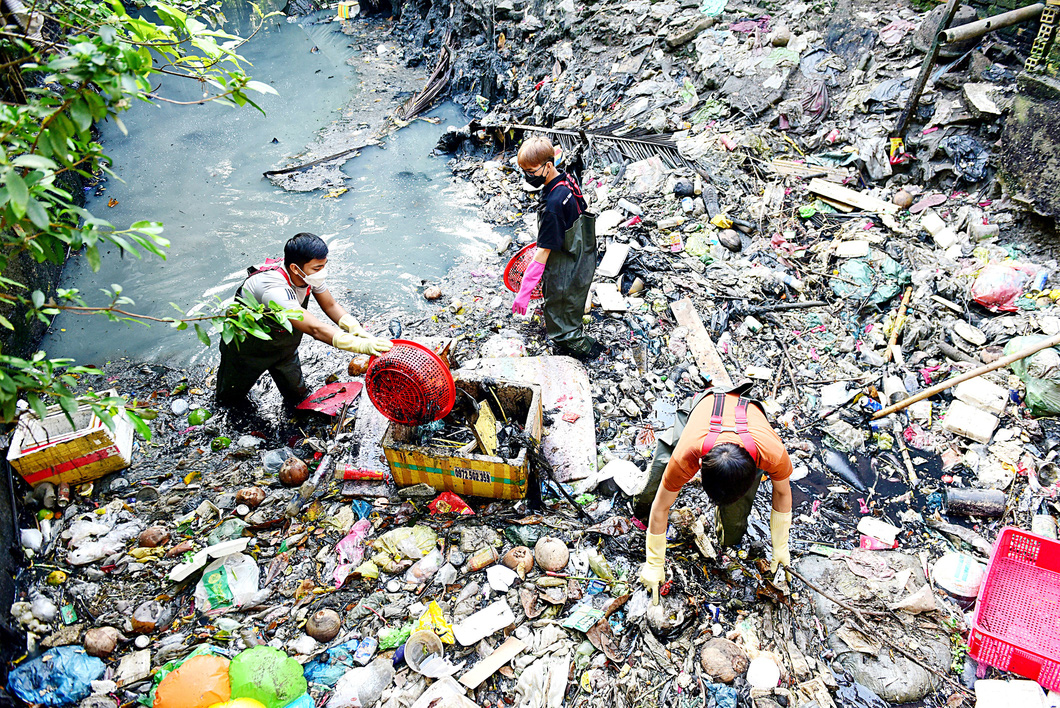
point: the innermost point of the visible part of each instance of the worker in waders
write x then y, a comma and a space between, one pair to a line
288, 283
726, 438
565, 260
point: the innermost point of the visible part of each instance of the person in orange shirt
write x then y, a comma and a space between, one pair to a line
727, 439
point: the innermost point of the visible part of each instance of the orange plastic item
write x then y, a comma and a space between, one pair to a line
199, 682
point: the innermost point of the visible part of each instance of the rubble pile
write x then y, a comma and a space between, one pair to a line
752, 222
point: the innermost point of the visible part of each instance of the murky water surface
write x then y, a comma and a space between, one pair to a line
199, 170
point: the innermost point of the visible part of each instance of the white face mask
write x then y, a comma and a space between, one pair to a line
316, 279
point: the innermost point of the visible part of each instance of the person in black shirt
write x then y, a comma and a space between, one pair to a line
565, 260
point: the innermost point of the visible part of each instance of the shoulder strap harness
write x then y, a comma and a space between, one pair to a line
741, 429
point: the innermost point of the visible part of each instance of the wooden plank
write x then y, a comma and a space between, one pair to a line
845, 208
703, 349
488, 666
849, 196
790, 168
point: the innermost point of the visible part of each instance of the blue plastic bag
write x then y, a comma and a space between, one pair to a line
60, 676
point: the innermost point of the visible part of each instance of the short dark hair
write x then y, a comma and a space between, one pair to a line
302, 248
727, 472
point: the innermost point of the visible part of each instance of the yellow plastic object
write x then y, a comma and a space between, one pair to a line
721, 222
432, 620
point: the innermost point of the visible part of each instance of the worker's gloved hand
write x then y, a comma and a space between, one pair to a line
349, 323
779, 529
531, 277
653, 572
372, 346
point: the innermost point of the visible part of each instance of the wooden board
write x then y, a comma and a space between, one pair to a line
703, 350
790, 168
849, 196
845, 208
488, 666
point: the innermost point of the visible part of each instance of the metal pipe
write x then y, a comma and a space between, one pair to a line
974, 30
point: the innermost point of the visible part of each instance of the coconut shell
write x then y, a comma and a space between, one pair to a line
293, 472
903, 199
432, 293
520, 559
730, 239
101, 641
551, 553
153, 536
251, 496
323, 625
358, 365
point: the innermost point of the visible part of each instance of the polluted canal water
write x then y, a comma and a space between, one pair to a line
198, 169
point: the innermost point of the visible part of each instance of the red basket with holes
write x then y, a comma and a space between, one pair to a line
1016, 626
513, 272
410, 384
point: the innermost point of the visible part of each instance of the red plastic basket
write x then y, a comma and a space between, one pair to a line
513, 272
410, 384
1016, 626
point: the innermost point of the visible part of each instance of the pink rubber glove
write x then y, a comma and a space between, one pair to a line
531, 277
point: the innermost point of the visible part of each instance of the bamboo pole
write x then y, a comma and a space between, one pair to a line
899, 320
974, 373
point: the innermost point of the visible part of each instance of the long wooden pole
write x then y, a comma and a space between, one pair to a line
1000, 363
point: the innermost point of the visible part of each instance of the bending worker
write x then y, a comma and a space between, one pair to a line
727, 439
565, 260
288, 284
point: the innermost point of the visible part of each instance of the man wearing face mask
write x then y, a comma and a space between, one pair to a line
288, 284
565, 260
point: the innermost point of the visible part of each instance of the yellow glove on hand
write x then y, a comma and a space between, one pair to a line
372, 346
779, 529
349, 323
653, 572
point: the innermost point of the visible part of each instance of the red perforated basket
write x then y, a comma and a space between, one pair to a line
410, 384
1016, 626
513, 272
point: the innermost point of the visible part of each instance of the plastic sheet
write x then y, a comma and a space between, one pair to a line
1040, 373
199, 682
999, 284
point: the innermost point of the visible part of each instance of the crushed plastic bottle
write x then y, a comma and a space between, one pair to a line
362, 687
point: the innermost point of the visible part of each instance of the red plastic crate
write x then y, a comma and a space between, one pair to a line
1016, 626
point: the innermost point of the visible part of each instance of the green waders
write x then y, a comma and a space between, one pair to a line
730, 519
243, 364
565, 285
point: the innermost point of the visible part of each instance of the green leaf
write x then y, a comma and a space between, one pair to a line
141, 426
37, 405
261, 87
203, 337
5, 323
38, 215
19, 193
34, 162
81, 114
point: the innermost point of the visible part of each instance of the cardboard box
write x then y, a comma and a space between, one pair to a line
54, 451
461, 471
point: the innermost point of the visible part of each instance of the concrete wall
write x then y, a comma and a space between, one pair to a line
1030, 146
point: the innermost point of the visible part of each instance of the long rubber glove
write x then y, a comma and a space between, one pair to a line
653, 572
779, 530
349, 323
531, 277
360, 345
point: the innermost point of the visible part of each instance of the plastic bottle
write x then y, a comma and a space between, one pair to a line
600, 566
630, 207
362, 687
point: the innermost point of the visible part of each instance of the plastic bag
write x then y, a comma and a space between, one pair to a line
199, 682
969, 156
57, 677
171, 666
414, 542
1040, 373
272, 460
362, 687
232, 580
394, 636
268, 675
424, 569
350, 551
890, 277
433, 620
328, 667
999, 284
449, 503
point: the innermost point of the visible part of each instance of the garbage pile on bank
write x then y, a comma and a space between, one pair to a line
184, 581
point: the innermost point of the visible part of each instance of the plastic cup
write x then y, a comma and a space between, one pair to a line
421, 645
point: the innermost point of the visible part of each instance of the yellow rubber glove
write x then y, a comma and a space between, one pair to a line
653, 572
349, 323
779, 530
360, 345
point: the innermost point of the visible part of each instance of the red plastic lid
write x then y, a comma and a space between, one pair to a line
410, 384
513, 272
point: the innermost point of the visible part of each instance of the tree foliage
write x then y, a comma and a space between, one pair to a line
66, 65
